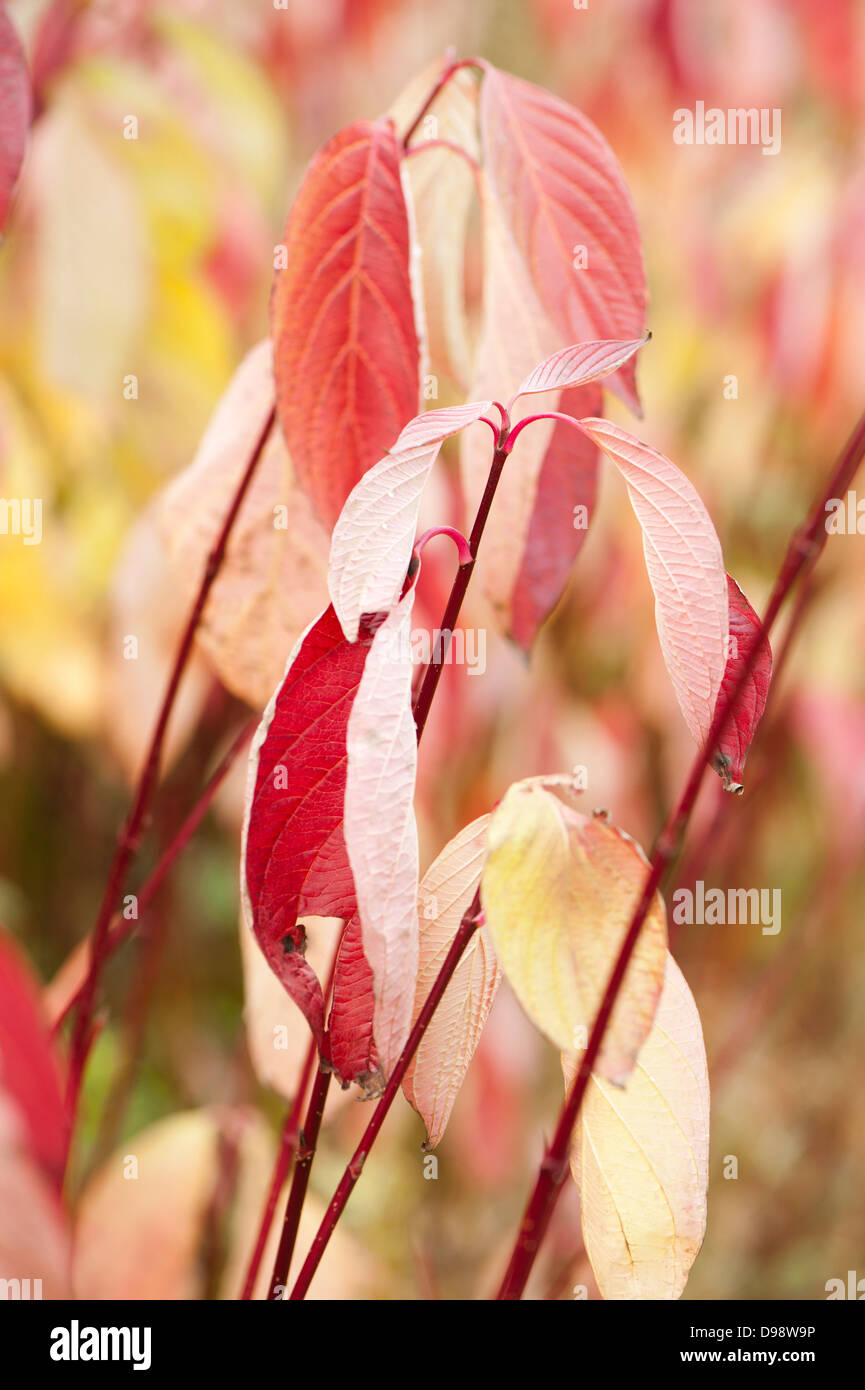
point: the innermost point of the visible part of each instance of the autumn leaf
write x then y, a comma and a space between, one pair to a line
438, 1068
380, 830
346, 353
685, 568
558, 893
30, 1076
353, 1052
565, 202
372, 541
640, 1157
577, 365
442, 190
732, 749
15, 109
531, 537
293, 857
272, 581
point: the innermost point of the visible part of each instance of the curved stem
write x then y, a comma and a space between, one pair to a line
464, 933
130, 835
801, 555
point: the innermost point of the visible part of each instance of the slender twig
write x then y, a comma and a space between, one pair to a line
802, 550
122, 928
432, 675
307, 1142
467, 927
131, 833
285, 1154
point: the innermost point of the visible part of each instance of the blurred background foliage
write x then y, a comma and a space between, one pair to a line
152, 258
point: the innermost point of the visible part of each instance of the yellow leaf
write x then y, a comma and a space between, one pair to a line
640, 1157
558, 892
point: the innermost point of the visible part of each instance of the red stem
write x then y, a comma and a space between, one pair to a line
444, 78
130, 836
805, 544
467, 927
303, 1166
121, 927
285, 1154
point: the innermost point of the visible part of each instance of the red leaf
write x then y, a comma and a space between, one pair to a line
568, 479
732, 750
560, 188
352, 1049
346, 356
294, 856
15, 109
29, 1073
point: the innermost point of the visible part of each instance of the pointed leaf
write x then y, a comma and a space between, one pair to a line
438, 1069
578, 365
442, 189
294, 859
342, 319
530, 540
640, 1157
352, 1047
558, 892
732, 750
372, 541
685, 567
380, 830
564, 199
15, 109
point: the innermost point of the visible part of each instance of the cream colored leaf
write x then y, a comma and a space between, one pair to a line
558, 892
373, 538
273, 580
686, 570
380, 829
437, 1071
640, 1157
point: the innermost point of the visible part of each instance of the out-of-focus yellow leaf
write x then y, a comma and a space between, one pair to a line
558, 892
640, 1157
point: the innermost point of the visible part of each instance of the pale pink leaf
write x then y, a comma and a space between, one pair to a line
565, 201
15, 109
685, 567
578, 365
372, 541
380, 829
530, 542
438, 1069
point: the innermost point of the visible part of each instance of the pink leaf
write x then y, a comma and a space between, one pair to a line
732, 750
685, 567
372, 541
525, 560
565, 201
437, 1072
294, 859
15, 109
578, 365
346, 355
380, 830
352, 1047
567, 487
29, 1071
